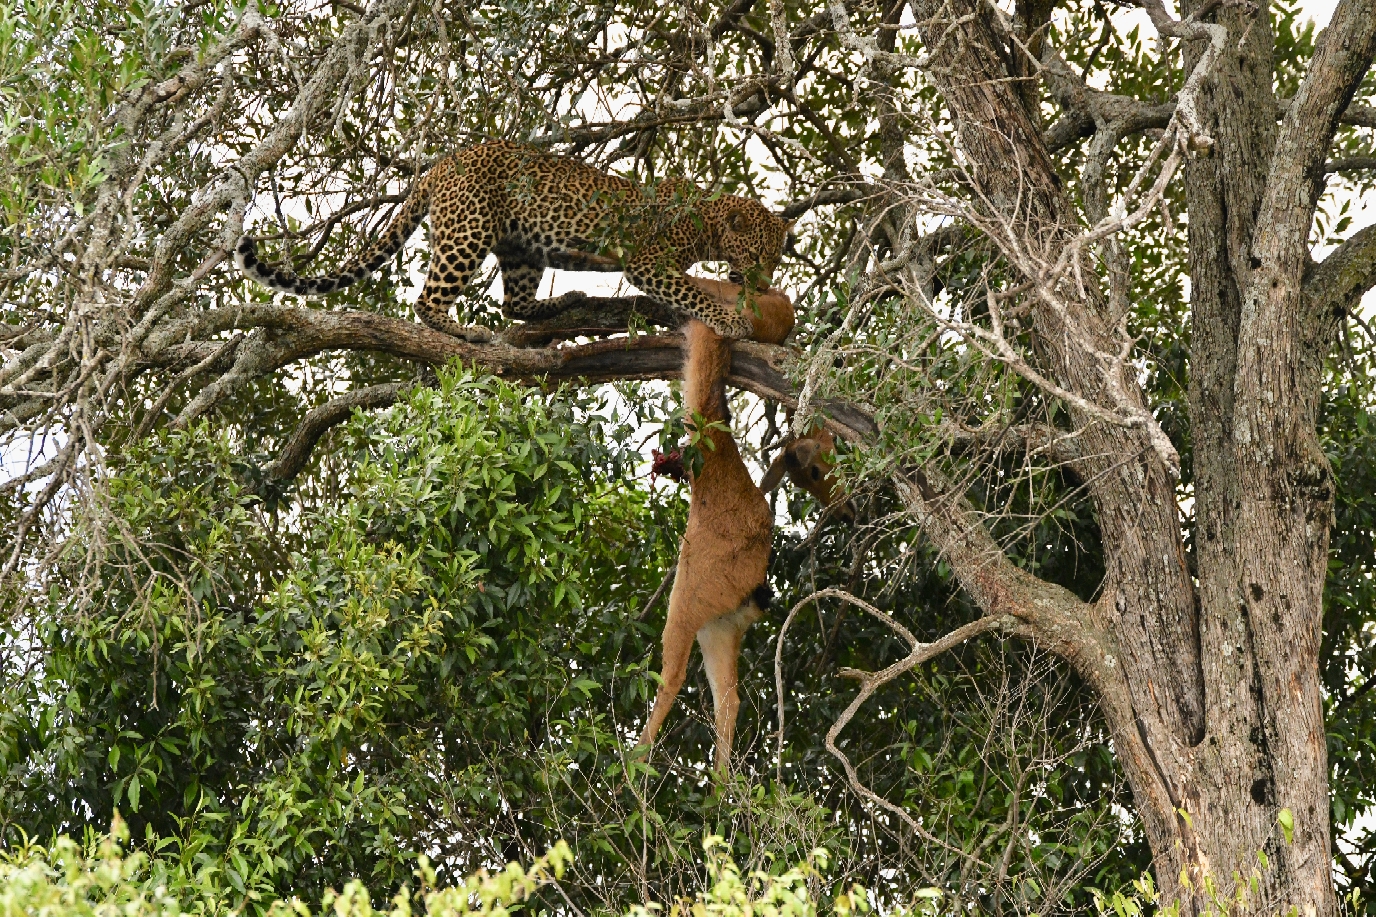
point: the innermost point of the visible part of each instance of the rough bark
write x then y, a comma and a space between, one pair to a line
1224, 194
1212, 696
1148, 672
1284, 484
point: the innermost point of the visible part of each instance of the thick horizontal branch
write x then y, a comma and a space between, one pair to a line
1336, 284
298, 332
1350, 164
286, 334
591, 316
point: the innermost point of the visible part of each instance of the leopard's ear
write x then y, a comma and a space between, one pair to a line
735, 220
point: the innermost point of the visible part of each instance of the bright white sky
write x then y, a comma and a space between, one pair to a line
1319, 10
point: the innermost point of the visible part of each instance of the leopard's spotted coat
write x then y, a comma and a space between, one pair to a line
525, 206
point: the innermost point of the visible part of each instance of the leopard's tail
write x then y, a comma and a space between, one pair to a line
366, 262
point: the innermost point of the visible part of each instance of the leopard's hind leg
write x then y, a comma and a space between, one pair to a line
520, 283
461, 235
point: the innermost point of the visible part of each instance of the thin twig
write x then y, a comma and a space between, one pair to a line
663, 584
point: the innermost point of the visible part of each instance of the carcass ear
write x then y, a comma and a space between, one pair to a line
805, 452
773, 474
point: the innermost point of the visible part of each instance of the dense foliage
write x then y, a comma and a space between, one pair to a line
68, 879
453, 657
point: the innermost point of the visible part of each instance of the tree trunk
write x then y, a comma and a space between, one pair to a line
1210, 685
1206, 672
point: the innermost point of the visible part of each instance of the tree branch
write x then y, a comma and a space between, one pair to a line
284, 334
1341, 59
591, 316
1062, 446
1349, 164
1080, 102
1087, 108
843, 195
871, 681
319, 420
1338, 282
1352, 115
1053, 614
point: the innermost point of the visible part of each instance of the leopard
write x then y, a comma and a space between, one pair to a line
534, 209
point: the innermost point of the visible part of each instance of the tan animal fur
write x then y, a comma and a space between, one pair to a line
724, 554
770, 311
720, 584
807, 460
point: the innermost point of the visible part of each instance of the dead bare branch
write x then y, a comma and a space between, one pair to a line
871, 682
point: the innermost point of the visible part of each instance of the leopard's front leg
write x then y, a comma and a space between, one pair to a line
674, 289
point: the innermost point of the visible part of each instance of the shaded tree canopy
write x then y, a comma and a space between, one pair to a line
1083, 299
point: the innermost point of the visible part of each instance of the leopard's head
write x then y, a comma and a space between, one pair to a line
749, 237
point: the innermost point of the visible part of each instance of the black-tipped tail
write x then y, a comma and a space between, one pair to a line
284, 279
392, 239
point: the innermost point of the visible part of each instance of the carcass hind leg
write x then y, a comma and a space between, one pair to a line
678, 643
721, 648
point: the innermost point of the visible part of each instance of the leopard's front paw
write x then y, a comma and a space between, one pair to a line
738, 327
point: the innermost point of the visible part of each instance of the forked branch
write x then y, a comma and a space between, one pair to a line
872, 681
